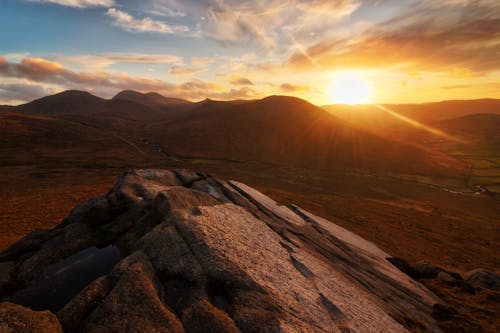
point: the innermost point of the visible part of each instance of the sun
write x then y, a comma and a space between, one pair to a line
350, 88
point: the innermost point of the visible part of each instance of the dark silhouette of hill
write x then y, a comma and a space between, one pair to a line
290, 131
69, 101
149, 99
277, 130
117, 113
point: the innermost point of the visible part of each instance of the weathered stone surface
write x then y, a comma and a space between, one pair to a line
483, 278
64, 242
133, 305
187, 177
196, 317
170, 255
84, 303
18, 319
94, 211
198, 254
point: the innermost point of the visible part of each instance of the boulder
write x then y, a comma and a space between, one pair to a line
483, 278
427, 270
19, 319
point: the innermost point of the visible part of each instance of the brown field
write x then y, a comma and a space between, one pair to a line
407, 219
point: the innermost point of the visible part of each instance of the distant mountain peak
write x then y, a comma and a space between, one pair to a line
150, 98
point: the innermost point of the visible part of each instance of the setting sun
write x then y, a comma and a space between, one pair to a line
350, 88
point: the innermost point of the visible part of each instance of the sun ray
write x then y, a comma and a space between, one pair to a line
418, 124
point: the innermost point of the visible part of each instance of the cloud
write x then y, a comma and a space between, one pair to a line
242, 93
341, 7
184, 70
80, 3
202, 61
102, 61
30, 68
429, 36
129, 23
18, 92
289, 88
237, 80
41, 72
260, 25
230, 28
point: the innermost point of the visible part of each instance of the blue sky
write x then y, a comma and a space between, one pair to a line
402, 51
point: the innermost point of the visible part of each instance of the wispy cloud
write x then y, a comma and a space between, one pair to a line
80, 3
129, 23
238, 80
428, 36
291, 88
185, 70
14, 93
103, 61
260, 24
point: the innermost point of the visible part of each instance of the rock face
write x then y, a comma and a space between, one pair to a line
15, 318
175, 251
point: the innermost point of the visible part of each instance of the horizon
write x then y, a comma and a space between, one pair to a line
326, 52
254, 99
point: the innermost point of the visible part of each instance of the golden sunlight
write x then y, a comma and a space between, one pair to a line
350, 88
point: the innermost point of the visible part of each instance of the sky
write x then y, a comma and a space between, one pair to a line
325, 51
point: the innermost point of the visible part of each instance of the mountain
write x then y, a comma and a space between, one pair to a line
428, 123
290, 131
175, 251
277, 130
69, 101
149, 99
486, 125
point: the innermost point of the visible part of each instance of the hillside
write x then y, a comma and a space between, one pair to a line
485, 126
276, 130
69, 101
289, 131
432, 112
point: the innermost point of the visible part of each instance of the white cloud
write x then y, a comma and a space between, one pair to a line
128, 22
80, 3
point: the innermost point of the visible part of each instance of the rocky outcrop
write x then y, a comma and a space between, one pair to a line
174, 251
483, 278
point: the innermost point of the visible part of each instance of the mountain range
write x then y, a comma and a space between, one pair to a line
277, 130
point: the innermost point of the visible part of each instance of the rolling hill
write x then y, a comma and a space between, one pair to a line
276, 130
290, 131
433, 112
480, 125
